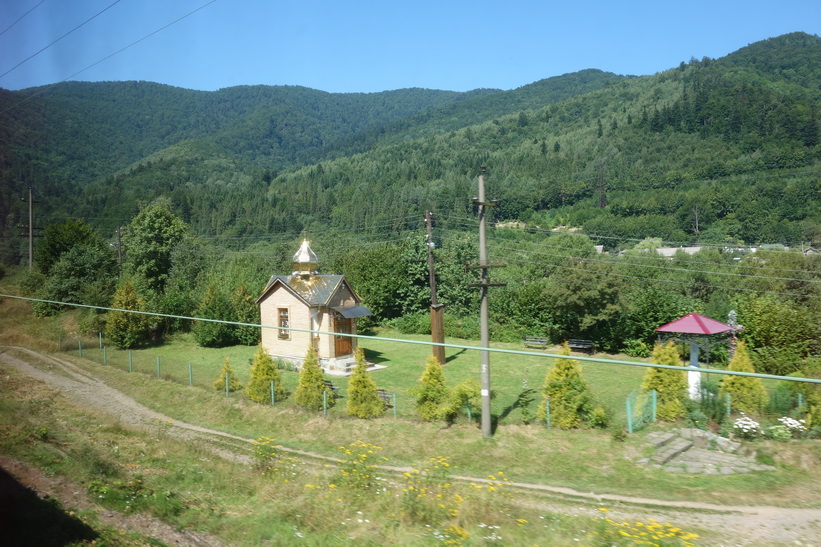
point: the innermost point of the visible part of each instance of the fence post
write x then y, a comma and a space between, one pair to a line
394, 405
158, 367
325, 403
130, 361
655, 403
101, 339
60, 343
105, 355
800, 400
629, 416
190, 375
547, 412
80, 345
729, 407
272, 393
470, 418
227, 392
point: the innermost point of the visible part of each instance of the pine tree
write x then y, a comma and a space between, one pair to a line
432, 393
670, 384
309, 392
245, 310
747, 394
263, 372
233, 383
363, 401
568, 393
211, 334
126, 330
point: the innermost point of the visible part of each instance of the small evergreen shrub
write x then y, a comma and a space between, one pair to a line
467, 393
432, 393
747, 393
263, 372
312, 393
670, 384
570, 400
363, 400
233, 383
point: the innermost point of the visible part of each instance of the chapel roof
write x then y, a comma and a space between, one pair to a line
315, 290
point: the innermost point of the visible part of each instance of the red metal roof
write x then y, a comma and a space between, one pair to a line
695, 324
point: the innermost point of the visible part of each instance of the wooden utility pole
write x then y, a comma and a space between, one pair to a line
120, 248
31, 226
484, 283
437, 324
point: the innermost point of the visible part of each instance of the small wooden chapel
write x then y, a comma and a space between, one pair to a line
322, 310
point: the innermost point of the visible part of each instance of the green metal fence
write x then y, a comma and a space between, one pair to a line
641, 409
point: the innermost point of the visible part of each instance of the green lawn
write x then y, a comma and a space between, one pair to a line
510, 373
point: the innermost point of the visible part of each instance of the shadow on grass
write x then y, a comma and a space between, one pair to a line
27, 519
375, 357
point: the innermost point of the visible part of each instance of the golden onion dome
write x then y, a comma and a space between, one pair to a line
305, 260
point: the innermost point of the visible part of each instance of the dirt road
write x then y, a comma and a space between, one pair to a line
739, 525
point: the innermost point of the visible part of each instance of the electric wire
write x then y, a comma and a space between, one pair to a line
424, 342
134, 43
61, 37
20, 18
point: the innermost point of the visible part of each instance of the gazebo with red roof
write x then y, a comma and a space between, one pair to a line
698, 330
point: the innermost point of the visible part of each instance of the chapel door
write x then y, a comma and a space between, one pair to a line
342, 344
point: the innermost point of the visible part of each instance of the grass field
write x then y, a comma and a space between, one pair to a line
588, 460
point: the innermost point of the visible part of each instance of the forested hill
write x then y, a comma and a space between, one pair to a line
710, 150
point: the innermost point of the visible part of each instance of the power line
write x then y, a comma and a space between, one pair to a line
46, 88
20, 18
427, 343
61, 37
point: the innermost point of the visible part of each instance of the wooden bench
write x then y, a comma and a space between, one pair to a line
535, 342
386, 397
581, 345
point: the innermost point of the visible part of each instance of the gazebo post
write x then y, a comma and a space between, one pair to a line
694, 376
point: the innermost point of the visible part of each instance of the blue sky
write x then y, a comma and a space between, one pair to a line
365, 46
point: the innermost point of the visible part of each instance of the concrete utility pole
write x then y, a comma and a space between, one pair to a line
437, 325
484, 283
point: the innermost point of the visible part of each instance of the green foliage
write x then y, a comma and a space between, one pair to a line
772, 322
670, 384
363, 400
246, 310
570, 399
233, 383
468, 392
312, 389
210, 334
127, 330
149, 241
747, 394
61, 238
263, 372
432, 393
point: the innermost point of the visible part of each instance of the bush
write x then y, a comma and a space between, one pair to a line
363, 400
570, 400
233, 383
779, 361
312, 393
432, 393
468, 392
747, 393
263, 372
670, 384
637, 348
123, 329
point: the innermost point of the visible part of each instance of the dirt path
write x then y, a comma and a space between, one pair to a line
741, 525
